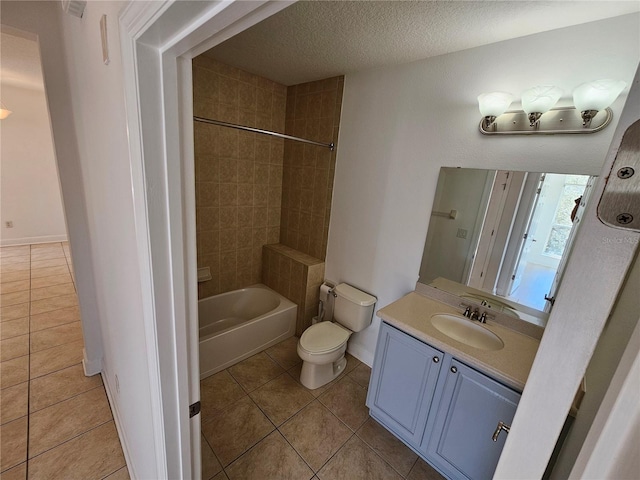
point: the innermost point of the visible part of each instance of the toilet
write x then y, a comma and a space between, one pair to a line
322, 346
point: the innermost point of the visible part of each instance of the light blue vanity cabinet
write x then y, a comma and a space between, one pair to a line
403, 380
443, 409
458, 439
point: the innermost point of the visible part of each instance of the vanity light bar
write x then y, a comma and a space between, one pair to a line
556, 120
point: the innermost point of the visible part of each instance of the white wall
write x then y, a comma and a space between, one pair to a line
401, 124
30, 191
86, 100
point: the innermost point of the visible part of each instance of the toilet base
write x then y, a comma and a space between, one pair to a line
315, 376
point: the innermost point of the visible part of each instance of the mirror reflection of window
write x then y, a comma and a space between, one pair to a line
572, 190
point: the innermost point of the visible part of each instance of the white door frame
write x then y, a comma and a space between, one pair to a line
158, 40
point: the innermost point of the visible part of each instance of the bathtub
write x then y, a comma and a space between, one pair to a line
238, 324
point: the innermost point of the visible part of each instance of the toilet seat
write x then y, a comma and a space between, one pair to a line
324, 337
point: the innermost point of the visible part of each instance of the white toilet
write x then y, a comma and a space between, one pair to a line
322, 346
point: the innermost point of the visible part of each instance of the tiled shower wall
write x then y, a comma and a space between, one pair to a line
294, 275
238, 174
313, 112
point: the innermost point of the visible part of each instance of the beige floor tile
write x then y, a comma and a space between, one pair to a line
316, 434
55, 318
53, 291
11, 277
48, 271
210, 464
14, 251
60, 385
392, 450
56, 358
95, 454
49, 281
14, 371
46, 254
14, 312
52, 262
356, 461
218, 392
346, 400
52, 337
45, 246
11, 287
234, 431
14, 347
221, 476
13, 443
15, 268
255, 371
120, 474
272, 458
14, 298
18, 472
14, 328
281, 398
53, 303
65, 420
423, 471
14, 260
13, 402
285, 353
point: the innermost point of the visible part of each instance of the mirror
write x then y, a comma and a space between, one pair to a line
500, 238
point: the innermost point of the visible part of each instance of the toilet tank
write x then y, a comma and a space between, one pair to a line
353, 308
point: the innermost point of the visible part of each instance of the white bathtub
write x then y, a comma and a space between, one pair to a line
238, 324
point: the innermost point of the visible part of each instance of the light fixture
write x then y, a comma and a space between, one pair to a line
4, 111
539, 100
493, 105
539, 116
591, 97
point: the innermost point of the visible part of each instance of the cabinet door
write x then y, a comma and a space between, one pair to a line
458, 437
403, 379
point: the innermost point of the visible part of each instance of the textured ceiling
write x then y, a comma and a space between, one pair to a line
20, 62
318, 39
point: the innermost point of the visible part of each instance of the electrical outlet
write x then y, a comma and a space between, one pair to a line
8, 224
462, 233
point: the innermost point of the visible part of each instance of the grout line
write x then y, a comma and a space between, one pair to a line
28, 375
69, 398
54, 371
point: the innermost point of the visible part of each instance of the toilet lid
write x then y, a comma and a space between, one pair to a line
323, 336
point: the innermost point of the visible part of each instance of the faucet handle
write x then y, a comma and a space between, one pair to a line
467, 312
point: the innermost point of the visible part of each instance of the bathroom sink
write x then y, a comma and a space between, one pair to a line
464, 330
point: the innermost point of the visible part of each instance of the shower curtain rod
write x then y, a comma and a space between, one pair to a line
330, 146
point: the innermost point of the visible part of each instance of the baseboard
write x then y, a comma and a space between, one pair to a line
116, 418
360, 353
5, 242
91, 367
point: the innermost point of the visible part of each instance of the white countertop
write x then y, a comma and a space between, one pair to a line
509, 365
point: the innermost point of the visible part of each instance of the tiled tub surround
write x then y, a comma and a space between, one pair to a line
238, 174
259, 422
56, 423
296, 276
313, 111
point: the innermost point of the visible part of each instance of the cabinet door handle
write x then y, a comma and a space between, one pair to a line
454, 370
501, 426
436, 359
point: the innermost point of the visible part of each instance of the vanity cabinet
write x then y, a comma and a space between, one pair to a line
445, 410
403, 381
458, 439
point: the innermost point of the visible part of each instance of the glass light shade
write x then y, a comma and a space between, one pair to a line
494, 104
540, 99
4, 111
597, 95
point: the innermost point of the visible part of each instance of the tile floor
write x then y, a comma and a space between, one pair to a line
259, 422
41, 375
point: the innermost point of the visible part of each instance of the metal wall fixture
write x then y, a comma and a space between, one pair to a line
590, 114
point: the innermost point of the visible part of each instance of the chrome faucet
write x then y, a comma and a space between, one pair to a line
467, 312
475, 315
483, 318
